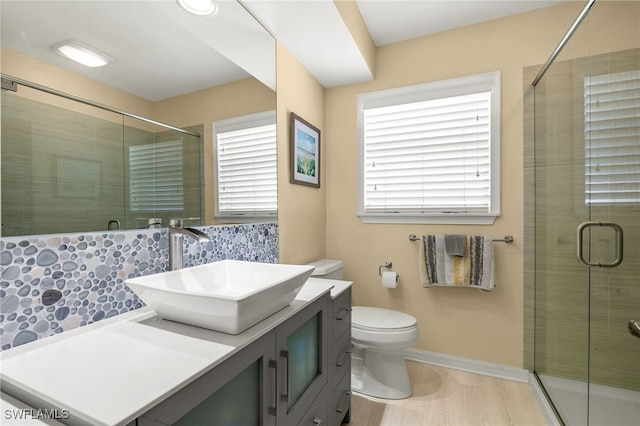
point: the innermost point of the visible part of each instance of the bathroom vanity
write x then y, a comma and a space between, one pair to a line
292, 368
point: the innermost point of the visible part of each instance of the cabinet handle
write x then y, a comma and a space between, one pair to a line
344, 359
343, 402
273, 410
317, 421
285, 354
343, 316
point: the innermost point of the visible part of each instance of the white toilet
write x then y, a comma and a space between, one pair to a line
379, 338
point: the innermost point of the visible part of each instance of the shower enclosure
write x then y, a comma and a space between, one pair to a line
69, 165
584, 212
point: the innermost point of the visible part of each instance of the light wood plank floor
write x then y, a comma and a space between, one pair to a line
443, 396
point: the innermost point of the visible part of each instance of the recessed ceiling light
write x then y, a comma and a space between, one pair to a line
81, 53
199, 7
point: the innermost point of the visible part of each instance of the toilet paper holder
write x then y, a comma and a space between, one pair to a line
386, 265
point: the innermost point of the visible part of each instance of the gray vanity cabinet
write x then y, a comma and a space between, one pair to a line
281, 378
340, 359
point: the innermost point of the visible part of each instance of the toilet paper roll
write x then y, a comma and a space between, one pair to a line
389, 279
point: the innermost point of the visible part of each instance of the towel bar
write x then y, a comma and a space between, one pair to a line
507, 239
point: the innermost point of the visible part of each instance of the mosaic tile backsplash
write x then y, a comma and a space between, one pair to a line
54, 283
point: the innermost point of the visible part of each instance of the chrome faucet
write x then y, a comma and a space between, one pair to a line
176, 241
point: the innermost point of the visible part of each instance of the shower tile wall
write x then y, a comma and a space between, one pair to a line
563, 292
615, 292
54, 283
86, 165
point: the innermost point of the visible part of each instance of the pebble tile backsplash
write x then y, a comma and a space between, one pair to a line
53, 283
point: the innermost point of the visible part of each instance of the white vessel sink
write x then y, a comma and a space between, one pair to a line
228, 296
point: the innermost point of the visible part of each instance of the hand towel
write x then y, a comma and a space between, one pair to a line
455, 245
482, 262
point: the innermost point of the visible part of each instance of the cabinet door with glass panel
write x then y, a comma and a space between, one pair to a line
237, 392
302, 350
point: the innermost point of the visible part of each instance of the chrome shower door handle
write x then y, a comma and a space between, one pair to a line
634, 328
618, 243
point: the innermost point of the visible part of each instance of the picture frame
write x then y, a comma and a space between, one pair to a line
305, 152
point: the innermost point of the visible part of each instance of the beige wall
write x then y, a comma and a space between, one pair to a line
460, 322
352, 18
301, 209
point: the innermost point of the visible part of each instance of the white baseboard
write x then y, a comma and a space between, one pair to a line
469, 365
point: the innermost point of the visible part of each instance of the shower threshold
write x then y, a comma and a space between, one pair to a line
607, 405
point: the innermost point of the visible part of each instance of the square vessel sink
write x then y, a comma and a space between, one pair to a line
228, 296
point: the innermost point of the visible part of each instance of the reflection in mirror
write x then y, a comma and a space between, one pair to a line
245, 166
75, 168
70, 167
162, 175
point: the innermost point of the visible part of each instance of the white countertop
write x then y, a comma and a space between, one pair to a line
110, 372
309, 289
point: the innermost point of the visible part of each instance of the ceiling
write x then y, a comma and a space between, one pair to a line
155, 38
391, 21
313, 31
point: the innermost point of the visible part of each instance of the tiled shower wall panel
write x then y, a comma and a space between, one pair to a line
50, 284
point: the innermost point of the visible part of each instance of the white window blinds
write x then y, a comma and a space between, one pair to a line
430, 157
246, 166
612, 131
156, 177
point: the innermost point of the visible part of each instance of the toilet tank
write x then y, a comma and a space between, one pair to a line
328, 269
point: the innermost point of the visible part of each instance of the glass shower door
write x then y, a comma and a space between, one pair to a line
587, 208
611, 238
561, 283
587, 222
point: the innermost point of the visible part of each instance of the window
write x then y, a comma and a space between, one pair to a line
245, 166
156, 179
431, 153
612, 128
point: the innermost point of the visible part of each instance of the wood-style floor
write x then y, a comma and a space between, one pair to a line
443, 396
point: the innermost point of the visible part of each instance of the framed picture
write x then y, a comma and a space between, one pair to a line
305, 152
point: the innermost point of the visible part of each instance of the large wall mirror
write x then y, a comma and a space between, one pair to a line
102, 158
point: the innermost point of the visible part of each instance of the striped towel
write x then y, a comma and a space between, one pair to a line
474, 269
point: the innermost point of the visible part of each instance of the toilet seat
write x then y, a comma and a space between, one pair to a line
382, 328
378, 319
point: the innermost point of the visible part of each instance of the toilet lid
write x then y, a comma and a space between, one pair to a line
378, 318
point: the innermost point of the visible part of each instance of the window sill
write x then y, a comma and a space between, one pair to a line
433, 219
